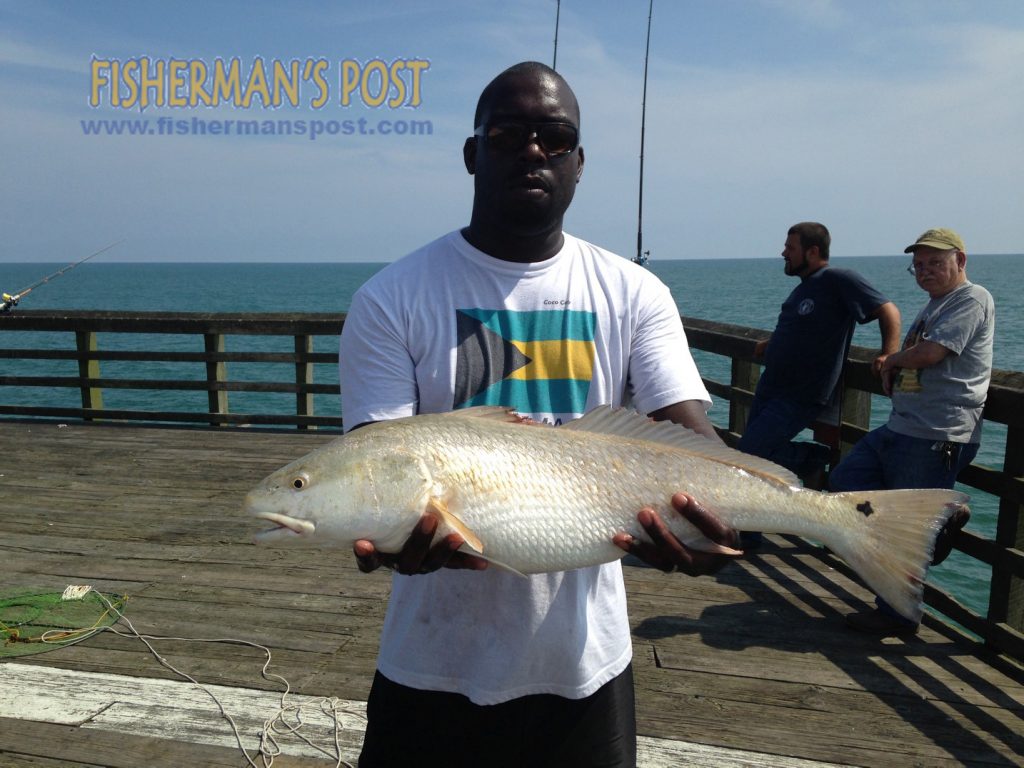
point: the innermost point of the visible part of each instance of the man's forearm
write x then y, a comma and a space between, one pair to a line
924, 354
888, 316
690, 414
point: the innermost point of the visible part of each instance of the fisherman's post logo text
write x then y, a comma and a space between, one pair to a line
144, 82
265, 87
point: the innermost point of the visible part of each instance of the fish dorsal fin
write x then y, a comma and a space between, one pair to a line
492, 412
622, 422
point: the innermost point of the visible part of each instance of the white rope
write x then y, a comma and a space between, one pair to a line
274, 727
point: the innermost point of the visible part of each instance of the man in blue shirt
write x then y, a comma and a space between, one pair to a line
804, 357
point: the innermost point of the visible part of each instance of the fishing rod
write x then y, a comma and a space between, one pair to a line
558, 14
641, 257
9, 301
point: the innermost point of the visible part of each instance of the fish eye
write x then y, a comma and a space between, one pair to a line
299, 482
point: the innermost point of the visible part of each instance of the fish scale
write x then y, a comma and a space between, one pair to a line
537, 499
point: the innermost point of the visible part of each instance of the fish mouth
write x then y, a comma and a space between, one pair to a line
285, 527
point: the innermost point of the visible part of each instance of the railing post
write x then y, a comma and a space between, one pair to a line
856, 410
1006, 599
216, 372
303, 378
745, 374
88, 368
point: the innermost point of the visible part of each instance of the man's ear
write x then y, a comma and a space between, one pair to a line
469, 154
579, 166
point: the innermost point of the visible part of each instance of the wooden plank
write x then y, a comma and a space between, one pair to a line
222, 385
667, 753
243, 323
325, 358
854, 736
23, 742
179, 711
187, 714
246, 419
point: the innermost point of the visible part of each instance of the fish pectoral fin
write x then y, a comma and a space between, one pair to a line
439, 507
706, 545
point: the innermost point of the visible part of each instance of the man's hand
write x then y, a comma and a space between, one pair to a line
923, 354
417, 556
667, 553
759, 349
886, 372
878, 364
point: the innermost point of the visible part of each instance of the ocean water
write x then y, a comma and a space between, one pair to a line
741, 291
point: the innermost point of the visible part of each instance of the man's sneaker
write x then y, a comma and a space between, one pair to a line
944, 541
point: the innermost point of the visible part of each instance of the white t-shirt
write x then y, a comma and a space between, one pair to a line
449, 327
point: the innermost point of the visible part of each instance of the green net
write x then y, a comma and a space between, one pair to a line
34, 622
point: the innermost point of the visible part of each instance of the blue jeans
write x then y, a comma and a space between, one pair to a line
887, 459
772, 425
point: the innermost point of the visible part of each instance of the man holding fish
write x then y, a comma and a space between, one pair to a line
506, 641
494, 668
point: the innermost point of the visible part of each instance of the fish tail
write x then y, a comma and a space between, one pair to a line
892, 551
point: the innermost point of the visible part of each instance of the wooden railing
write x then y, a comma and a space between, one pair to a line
1001, 630
214, 363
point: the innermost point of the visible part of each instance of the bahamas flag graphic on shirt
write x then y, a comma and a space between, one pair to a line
539, 362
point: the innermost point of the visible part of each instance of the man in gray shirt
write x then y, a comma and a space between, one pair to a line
938, 382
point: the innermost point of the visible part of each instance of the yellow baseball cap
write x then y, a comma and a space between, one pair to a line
937, 238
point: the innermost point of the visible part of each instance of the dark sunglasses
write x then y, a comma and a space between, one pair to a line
510, 136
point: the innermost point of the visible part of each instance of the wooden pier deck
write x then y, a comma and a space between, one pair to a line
752, 667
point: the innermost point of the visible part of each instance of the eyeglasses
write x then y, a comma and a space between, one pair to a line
933, 263
510, 136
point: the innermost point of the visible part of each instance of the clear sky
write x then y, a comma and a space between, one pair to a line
880, 118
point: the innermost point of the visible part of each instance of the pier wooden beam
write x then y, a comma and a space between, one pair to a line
303, 378
216, 373
88, 370
1006, 601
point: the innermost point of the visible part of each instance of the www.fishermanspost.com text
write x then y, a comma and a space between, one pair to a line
200, 126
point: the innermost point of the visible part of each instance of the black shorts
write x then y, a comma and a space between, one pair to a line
410, 727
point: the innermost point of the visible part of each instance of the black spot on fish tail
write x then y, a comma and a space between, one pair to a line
866, 508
